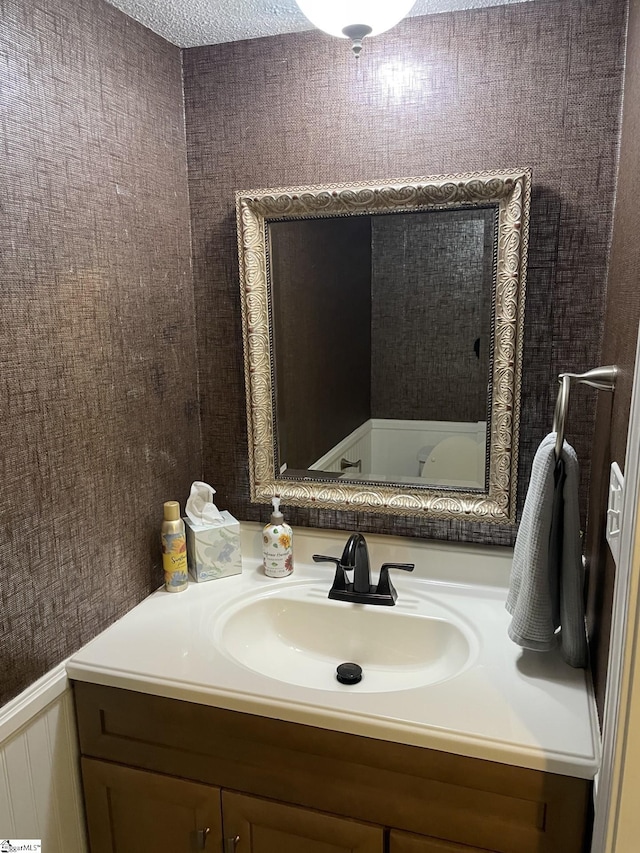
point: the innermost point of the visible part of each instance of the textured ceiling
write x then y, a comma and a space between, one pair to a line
189, 23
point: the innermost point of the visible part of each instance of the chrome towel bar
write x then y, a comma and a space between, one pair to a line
602, 378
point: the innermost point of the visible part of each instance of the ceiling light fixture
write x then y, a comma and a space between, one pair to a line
355, 19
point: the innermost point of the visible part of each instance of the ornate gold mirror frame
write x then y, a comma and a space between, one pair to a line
510, 191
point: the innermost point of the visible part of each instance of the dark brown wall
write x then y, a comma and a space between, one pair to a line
619, 347
97, 362
531, 84
321, 291
431, 293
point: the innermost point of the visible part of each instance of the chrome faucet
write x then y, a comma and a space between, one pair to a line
355, 558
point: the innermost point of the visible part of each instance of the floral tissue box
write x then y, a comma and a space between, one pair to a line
214, 551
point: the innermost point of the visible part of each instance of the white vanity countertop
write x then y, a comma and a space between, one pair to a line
507, 705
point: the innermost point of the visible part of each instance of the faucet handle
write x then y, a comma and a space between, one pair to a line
320, 558
385, 587
340, 579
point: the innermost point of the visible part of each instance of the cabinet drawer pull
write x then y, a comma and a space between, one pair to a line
230, 844
202, 837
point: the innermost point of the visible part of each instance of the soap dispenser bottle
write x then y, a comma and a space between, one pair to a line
174, 549
277, 545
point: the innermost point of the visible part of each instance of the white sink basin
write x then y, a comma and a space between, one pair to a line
299, 636
439, 668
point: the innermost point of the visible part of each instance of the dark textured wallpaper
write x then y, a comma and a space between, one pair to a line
531, 84
321, 293
98, 394
431, 293
618, 347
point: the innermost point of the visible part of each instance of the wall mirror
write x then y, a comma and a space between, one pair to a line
382, 330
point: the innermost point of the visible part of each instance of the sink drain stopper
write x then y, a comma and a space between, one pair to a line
349, 673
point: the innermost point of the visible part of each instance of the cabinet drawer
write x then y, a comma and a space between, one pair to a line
463, 800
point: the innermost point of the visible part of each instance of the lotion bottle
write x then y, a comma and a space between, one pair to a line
174, 549
277, 545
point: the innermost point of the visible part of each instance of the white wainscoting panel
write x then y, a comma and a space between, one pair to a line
40, 788
356, 445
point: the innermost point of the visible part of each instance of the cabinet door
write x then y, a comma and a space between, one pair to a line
133, 811
251, 825
403, 842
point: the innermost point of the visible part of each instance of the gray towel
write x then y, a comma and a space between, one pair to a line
546, 588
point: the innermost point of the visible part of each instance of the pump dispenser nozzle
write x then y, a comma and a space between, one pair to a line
276, 516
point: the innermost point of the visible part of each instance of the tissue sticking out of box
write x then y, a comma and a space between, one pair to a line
213, 536
200, 507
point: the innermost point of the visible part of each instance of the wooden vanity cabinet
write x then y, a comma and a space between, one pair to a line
291, 788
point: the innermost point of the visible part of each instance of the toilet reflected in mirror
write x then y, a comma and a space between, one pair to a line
455, 461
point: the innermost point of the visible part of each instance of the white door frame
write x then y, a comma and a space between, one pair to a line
617, 814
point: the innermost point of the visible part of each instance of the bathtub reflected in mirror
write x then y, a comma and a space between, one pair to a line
420, 453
